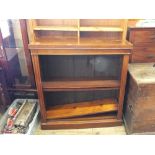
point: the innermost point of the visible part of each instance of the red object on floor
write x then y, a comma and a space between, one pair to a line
12, 112
9, 123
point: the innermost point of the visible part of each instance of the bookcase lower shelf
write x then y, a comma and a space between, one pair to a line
82, 109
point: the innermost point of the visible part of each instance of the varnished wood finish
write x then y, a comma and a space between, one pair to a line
89, 51
82, 109
30, 25
36, 66
79, 89
124, 27
71, 43
65, 27
55, 28
122, 85
133, 22
143, 36
62, 85
143, 40
84, 38
74, 123
143, 54
102, 29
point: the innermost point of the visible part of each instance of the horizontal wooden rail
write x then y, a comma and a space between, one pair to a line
85, 84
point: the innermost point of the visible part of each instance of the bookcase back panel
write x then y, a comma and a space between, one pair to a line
56, 34
102, 35
57, 22
59, 98
102, 29
101, 22
80, 67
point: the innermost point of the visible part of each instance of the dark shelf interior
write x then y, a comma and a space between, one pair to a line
63, 97
80, 67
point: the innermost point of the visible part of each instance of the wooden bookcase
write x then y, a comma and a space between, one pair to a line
80, 68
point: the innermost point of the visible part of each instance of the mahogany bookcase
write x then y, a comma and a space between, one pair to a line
80, 68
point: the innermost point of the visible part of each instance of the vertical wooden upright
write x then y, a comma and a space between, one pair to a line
36, 66
122, 85
78, 32
31, 24
124, 27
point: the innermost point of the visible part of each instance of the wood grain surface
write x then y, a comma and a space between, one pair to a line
82, 108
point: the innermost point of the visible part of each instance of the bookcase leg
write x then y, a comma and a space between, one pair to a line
36, 66
122, 85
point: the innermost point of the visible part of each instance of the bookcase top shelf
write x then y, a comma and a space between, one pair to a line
77, 33
73, 28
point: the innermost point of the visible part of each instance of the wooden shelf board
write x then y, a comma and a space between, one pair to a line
104, 29
55, 28
85, 84
73, 28
81, 52
72, 43
79, 89
85, 122
81, 109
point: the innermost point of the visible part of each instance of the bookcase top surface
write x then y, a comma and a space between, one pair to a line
83, 43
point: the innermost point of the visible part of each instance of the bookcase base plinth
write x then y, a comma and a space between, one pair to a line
79, 124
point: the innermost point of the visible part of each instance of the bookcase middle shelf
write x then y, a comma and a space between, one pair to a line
67, 85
